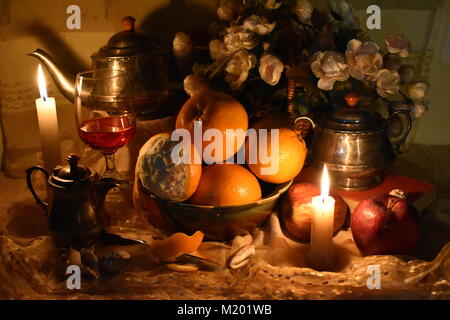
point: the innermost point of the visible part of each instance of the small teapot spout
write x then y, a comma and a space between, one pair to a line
103, 186
64, 82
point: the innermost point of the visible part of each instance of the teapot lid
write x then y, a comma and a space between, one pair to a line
352, 117
64, 176
128, 42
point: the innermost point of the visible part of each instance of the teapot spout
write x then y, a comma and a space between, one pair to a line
64, 82
103, 186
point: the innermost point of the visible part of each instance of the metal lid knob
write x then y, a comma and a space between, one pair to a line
128, 23
128, 42
73, 163
352, 99
67, 175
352, 117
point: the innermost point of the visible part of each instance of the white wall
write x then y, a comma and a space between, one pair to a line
428, 27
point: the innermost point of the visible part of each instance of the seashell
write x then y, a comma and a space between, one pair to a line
398, 193
114, 262
74, 257
86, 260
123, 254
242, 256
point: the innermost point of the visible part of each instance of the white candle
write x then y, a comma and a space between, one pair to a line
320, 255
48, 125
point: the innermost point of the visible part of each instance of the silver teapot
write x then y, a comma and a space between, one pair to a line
75, 212
356, 144
150, 70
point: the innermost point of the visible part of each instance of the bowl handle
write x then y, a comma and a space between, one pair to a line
305, 118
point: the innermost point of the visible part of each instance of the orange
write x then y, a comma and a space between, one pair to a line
159, 175
215, 110
226, 185
176, 245
291, 156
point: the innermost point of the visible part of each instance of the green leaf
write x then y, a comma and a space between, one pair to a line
199, 68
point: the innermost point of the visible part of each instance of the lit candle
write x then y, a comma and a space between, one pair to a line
320, 255
48, 125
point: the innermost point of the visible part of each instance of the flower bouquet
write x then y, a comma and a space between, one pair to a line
271, 54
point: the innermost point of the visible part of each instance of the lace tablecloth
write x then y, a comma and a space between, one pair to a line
31, 267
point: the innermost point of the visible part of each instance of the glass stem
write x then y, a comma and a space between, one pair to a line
111, 170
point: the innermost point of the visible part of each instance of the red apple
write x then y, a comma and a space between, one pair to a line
385, 224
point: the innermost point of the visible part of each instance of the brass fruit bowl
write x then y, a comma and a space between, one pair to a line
217, 223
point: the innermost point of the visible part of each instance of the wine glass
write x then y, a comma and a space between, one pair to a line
105, 114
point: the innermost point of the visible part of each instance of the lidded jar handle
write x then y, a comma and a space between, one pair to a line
404, 136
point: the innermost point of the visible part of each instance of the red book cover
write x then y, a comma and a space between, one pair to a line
420, 193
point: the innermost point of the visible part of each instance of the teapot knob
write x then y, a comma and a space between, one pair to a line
128, 23
351, 99
73, 163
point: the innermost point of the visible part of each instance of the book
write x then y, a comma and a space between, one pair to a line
420, 193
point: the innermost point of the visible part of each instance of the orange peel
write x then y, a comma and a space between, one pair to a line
177, 244
182, 267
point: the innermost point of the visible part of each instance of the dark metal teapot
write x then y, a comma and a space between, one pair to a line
150, 70
356, 144
75, 211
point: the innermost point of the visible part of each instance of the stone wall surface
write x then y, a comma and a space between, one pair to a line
29, 24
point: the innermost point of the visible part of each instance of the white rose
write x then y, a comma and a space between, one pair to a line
388, 82
182, 44
398, 44
272, 4
329, 67
418, 108
270, 69
226, 9
304, 9
364, 59
217, 49
258, 25
238, 67
194, 84
418, 89
239, 38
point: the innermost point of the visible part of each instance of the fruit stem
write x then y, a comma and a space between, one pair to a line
391, 203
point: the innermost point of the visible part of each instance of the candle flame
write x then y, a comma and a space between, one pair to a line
325, 185
41, 83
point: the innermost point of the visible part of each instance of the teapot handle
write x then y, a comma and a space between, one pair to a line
29, 172
405, 134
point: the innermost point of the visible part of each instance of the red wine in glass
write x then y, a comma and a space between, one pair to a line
104, 111
107, 134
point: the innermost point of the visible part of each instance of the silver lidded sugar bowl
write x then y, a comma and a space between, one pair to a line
355, 144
